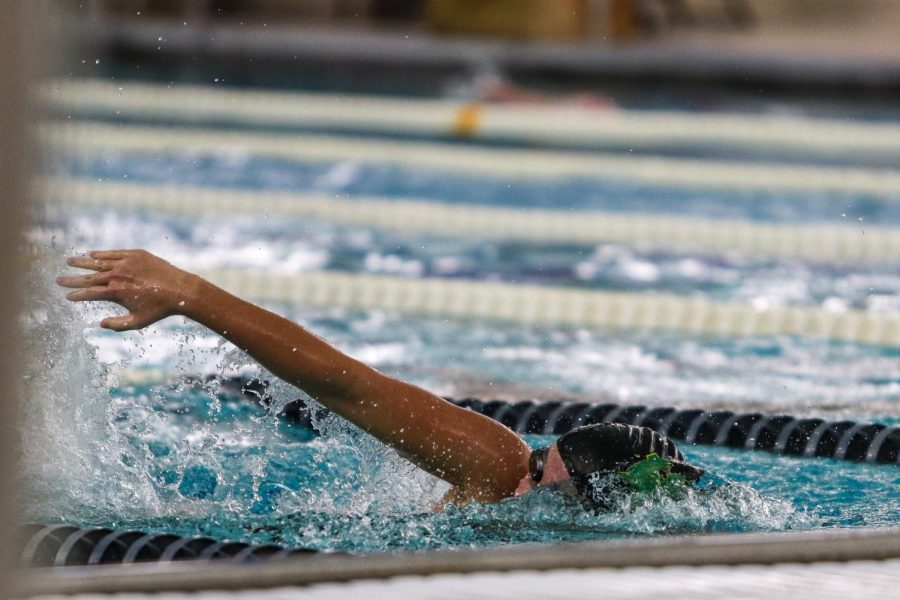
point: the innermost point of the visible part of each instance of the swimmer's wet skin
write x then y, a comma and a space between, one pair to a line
483, 460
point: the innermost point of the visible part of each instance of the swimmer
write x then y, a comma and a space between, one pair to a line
482, 460
490, 85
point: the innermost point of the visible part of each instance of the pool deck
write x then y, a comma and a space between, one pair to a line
837, 54
820, 581
816, 564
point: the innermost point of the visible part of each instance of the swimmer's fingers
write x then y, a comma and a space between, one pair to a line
86, 262
93, 293
113, 254
123, 323
84, 281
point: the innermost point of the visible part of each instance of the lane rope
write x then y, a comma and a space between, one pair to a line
571, 126
530, 165
812, 243
800, 437
546, 306
778, 434
69, 546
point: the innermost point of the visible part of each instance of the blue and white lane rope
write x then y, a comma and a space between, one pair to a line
523, 164
569, 126
541, 305
548, 306
816, 243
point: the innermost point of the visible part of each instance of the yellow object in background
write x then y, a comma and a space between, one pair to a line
468, 120
518, 19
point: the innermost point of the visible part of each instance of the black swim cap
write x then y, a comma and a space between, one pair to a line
594, 451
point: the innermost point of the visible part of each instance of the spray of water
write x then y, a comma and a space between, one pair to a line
73, 455
97, 450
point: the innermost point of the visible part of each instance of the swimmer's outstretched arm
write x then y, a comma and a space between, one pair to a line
483, 460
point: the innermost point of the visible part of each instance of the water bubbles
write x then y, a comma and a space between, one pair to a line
70, 427
198, 482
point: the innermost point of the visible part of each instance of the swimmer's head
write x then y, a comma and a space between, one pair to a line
586, 460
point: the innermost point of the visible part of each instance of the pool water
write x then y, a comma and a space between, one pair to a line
161, 449
193, 461
134, 430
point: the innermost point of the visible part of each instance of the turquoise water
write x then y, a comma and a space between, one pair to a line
226, 467
236, 169
119, 433
293, 244
175, 453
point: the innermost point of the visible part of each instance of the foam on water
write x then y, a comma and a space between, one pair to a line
290, 245
71, 449
226, 467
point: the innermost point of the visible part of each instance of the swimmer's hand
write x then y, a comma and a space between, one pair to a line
147, 286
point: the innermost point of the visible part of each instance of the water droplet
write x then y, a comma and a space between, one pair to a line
181, 303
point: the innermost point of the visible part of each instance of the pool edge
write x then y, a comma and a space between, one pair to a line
697, 550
